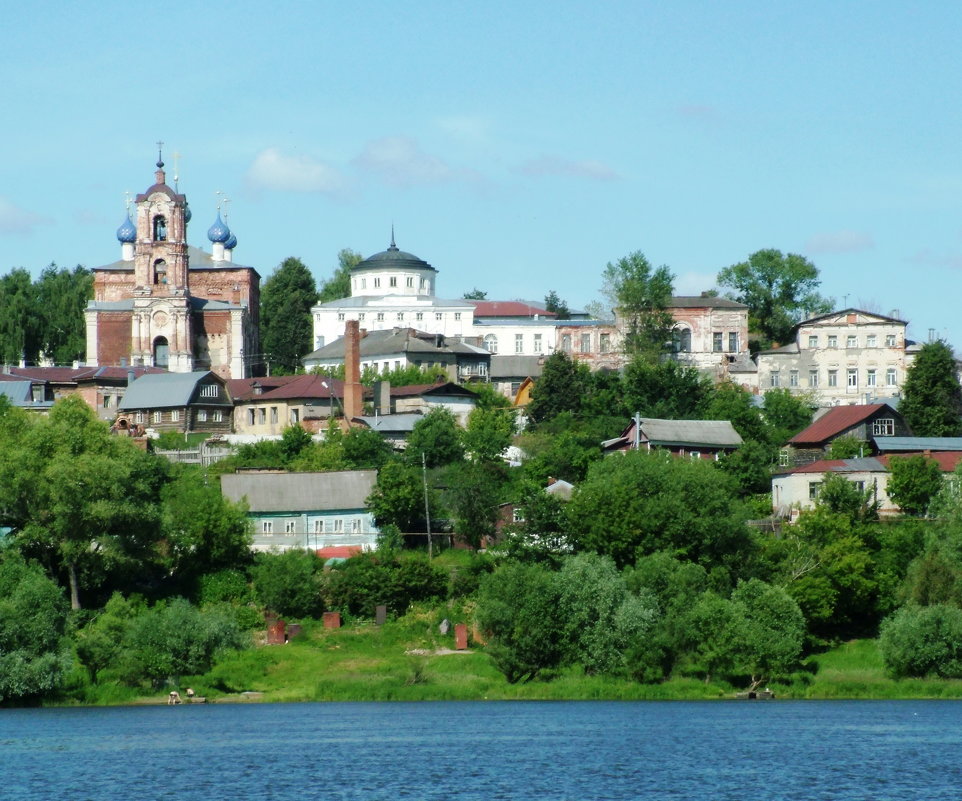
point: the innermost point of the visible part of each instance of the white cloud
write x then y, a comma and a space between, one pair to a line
466, 128
694, 283
400, 161
845, 241
928, 258
272, 169
14, 220
553, 165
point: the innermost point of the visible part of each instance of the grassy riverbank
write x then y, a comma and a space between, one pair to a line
407, 660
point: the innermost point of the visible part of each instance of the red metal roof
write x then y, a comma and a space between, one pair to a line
288, 387
508, 308
339, 551
947, 460
835, 421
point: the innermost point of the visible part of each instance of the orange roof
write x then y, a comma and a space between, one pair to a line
339, 551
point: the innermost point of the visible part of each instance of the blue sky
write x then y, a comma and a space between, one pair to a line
518, 147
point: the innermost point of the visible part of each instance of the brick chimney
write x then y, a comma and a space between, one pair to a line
352, 371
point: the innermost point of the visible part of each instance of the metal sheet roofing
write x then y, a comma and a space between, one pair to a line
300, 492
166, 390
718, 433
835, 421
918, 444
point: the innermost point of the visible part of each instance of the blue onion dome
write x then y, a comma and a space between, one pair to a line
187, 213
127, 232
218, 232
231, 243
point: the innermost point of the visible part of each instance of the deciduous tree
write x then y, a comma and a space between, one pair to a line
339, 284
640, 295
931, 396
914, 482
286, 324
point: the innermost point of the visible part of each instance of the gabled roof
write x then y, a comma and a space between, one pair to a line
391, 341
300, 492
417, 390
167, 390
867, 464
704, 302
288, 387
946, 460
512, 366
72, 375
917, 444
849, 310
679, 433
836, 421
390, 423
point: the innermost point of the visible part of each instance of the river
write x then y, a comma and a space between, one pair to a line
838, 750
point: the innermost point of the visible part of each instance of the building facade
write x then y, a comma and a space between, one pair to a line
166, 304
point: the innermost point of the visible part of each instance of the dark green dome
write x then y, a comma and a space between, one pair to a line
392, 259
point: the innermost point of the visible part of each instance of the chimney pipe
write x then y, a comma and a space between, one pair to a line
352, 370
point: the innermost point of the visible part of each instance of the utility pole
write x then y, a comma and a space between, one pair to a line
427, 510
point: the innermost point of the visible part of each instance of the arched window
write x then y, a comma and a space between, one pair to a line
161, 352
491, 343
160, 272
160, 228
682, 340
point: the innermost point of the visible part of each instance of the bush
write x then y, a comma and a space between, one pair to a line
367, 580
922, 641
289, 583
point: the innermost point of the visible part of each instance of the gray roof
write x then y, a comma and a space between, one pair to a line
914, 444
391, 423
197, 258
704, 302
398, 340
718, 433
300, 492
196, 303
511, 366
362, 301
167, 390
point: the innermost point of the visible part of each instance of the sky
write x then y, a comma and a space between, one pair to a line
518, 147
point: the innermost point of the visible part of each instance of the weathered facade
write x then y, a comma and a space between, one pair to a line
845, 357
181, 402
169, 305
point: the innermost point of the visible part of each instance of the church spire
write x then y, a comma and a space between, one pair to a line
159, 177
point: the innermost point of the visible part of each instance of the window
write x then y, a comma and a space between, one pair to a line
419, 316
732, 341
273, 414
410, 281
363, 283
813, 340
400, 316
355, 526
490, 342
457, 315
392, 281
377, 282
201, 415
814, 487
438, 316
340, 317
160, 228
160, 271
605, 343
338, 525
566, 343
360, 316
832, 341
716, 341
852, 377
871, 341
793, 378
175, 416
318, 526
833, 378
218, 416
262, 416
380, 317
295, 416
515, 386
250, 417
586, 343
890, 377
397, 364
851, 341
156, 417
208, 391
870, 378
784, 457
289, 526
890, 340
106, 401
774, 378
139, 417
537, 344
682, 340
267, 527
695, 455
813, 378
519, 343
517, 516
883, 427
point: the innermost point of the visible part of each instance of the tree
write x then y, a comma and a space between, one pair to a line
365, 449
713, 635
778, 289
914, 482
641, 296
19, 318
63, 296
641, 502
848, 446
288, 583
339, 285
517, 609
666, 390
559, 389
553, 303
774, 629
488, 433
475, 294
34, 655
473, 495
843, 497
293, 441
398, 497
922, 641
931, 396
286, 323
437, 437
785, 415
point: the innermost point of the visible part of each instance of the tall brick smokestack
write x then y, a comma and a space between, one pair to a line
352, 370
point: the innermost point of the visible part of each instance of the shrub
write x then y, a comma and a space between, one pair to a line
288, 583
358, 585
923, 641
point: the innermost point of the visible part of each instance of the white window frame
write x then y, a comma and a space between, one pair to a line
267, 526
851, 341
870, 377
833, 378
851, 380
813, 340
891, 377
